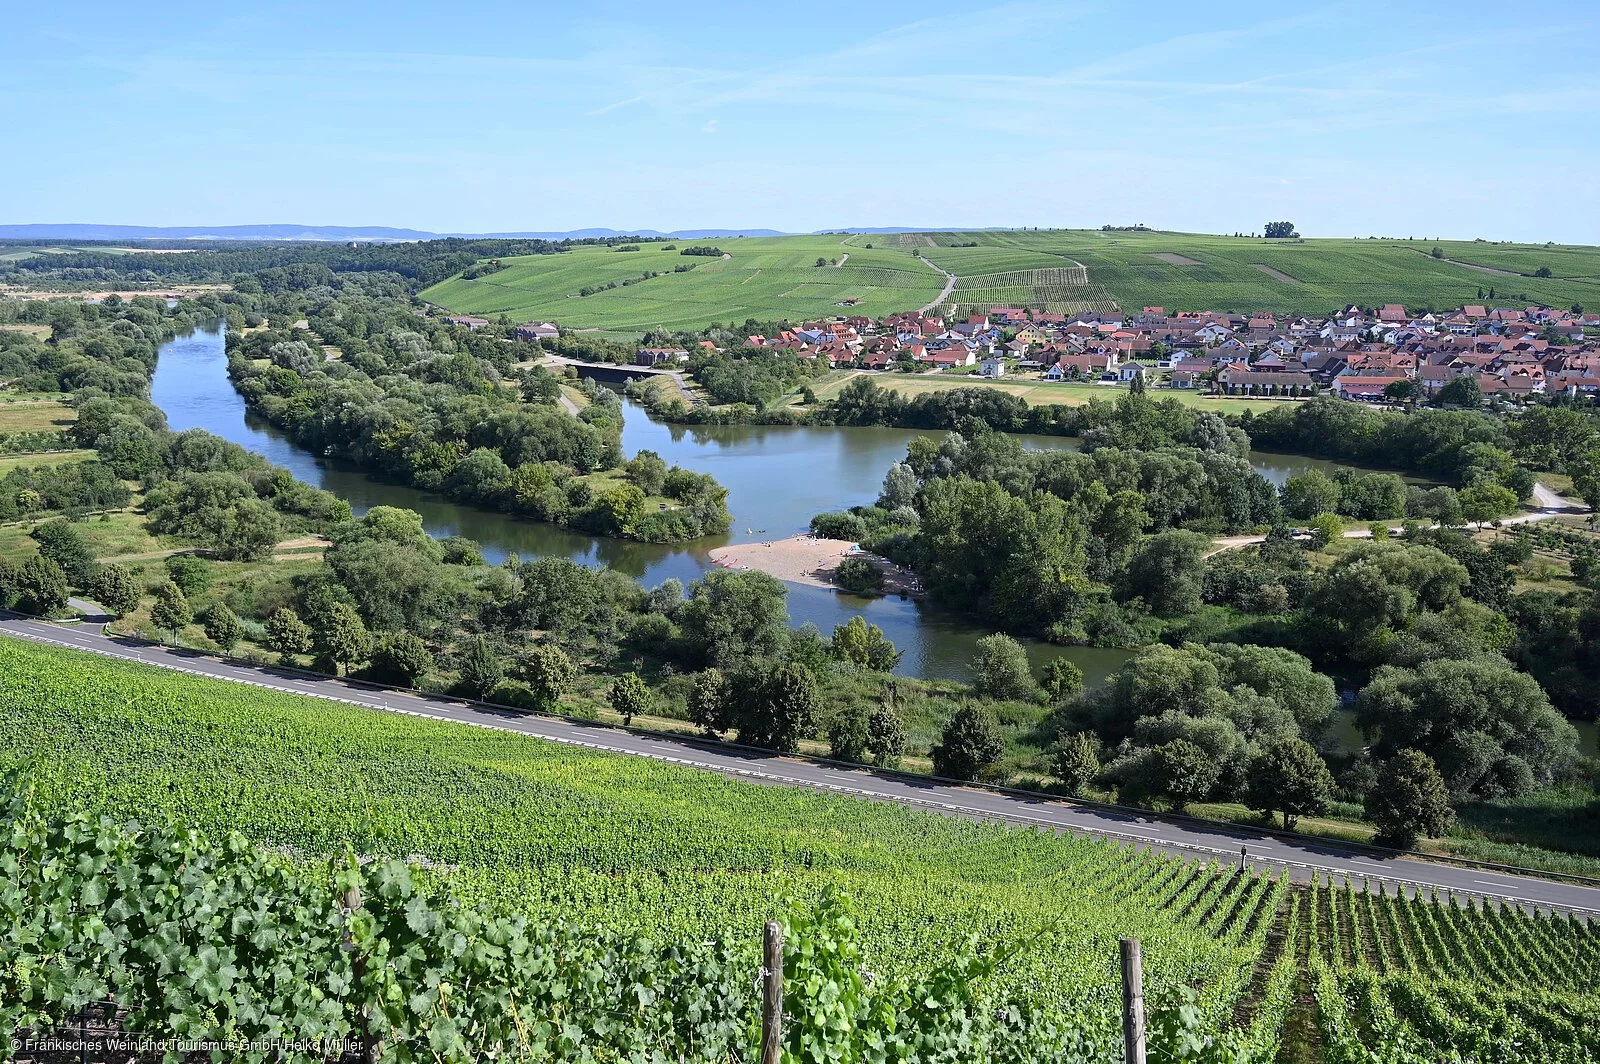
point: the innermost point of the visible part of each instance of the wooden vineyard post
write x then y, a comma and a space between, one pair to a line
358, 965
1132, 1001
772, 994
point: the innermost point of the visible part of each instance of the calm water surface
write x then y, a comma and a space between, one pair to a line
777, 477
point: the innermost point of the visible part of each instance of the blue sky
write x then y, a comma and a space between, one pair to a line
1402, 119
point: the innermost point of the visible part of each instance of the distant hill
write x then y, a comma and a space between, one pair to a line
91, 231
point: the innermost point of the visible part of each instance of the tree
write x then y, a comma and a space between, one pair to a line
1325, 528
1075, 761
1062, 679
859, 576
849, 734
648, 470
189, 572
886, 736
479, 669
899, 486
1186, 772
338, 635
287, 634
1000, 668
221, 626
170, 612
1309, 494
402, 658
970, 743
1168, 572
1409, 801
779, 708
1405, 390
736, 616
63, 544
1289, 777
549, 674
1280, 230
41, 586
1485, 501
709, 702
1543, 271
629, 697
114, 588
1489, 728
1438, 253
864, 645
1462, 392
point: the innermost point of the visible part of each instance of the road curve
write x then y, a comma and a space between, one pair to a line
1269, 852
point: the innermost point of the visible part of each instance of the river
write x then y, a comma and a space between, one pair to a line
777, 477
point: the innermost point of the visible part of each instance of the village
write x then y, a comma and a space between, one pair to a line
1381, 355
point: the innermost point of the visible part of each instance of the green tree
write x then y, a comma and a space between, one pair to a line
190, 572
338, 635
1075, 761
1485, 501
629, 697
1062, 679
648, 470
549, 673
1168, 572
41, 586
859, 576
864, 645
849, 734
1280, 230
970, 743
63, 544
402, 658
1000, 668
221, 625
288, 635
479, 668
114, 588
1187, 772
780, 708
1309, 494
1325, 528
170, 612
1462, 392
886, 736
710, 702
1290, 778
1409, 801
736, 616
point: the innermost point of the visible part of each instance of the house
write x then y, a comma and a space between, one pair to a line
538, 330
1361, 389
1128, 371
992, 367
650, 356
467, 321
1392, 314
953, 357
1242, 380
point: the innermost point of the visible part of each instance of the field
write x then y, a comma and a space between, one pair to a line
1071, 271
765, 278
49, 458
1040, 392
1310, 277
631, 844
34, 415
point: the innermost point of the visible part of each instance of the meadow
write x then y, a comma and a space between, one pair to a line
1036, 392
765, 278
636, 846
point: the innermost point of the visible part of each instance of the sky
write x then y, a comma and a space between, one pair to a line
1447, 119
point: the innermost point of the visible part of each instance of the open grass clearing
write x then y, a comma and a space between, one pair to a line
35, 415
1036, 392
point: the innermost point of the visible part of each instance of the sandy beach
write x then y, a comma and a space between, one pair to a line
810, 561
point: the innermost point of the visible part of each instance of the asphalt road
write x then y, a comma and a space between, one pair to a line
1195, 840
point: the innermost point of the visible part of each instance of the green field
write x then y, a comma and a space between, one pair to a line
1039, 392
636, 845
765, 278
776, 277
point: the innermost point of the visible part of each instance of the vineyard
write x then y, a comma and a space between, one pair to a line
570, 881
1061, 289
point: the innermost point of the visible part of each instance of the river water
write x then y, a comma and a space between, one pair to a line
777, 477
